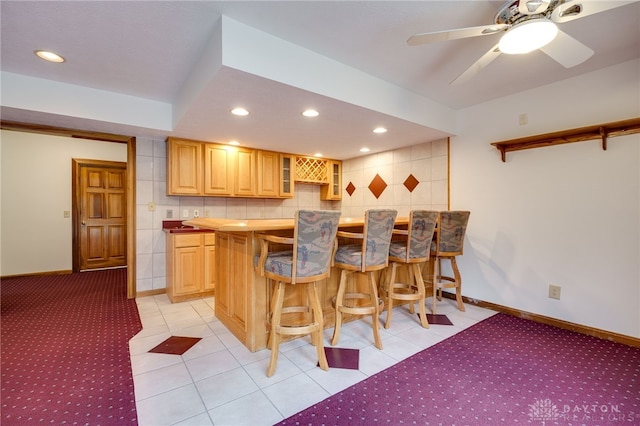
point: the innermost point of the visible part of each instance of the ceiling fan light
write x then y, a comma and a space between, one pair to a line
528, 36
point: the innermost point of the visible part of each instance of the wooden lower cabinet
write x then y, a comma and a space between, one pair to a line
190, 265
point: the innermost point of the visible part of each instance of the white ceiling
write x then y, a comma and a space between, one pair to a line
150, 50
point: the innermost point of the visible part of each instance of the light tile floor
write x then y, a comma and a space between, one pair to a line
220, 382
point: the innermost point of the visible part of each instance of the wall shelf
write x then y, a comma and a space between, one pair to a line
601, 131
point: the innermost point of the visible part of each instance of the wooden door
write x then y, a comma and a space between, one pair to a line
100, 223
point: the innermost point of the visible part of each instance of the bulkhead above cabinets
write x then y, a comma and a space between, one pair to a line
217, 170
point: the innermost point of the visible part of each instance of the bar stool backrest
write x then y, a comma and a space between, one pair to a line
452, 225
378, 230
422, 224
314, 242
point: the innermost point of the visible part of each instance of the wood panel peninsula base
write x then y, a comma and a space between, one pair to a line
243, 297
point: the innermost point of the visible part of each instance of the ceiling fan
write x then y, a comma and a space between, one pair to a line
527, 25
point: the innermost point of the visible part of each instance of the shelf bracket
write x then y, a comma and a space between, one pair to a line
603, 134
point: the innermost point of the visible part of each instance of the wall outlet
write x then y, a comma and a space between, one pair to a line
169, 213
185, 213
196, 213
206, 213
66, 214
152, 206
554, 291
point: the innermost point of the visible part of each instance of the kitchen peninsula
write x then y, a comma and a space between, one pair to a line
242, 296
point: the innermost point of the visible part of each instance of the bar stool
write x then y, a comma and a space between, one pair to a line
367, 257
314, 241
412, 252
449, 241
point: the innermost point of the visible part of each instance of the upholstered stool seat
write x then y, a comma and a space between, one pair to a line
314, 240
411, 251
367, 257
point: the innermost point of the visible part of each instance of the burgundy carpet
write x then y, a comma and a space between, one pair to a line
65, 353
501, 371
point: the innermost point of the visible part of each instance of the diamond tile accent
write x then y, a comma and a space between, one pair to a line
438, 319
175, 345
351, 188
411, 182
377, 186
343, 358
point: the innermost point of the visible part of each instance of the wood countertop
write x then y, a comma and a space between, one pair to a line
249, 225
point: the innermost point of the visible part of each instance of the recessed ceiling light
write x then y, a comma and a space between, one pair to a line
310, 113
49, 56
317, 154
235, 143
364, 150
239, 111
379, 130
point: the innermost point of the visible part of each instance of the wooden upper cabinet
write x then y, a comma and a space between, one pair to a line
210, 169
333, 191
245, 173
184, 171
268, 174
218, 170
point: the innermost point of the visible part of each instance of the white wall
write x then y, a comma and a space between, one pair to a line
36, 190
567, 215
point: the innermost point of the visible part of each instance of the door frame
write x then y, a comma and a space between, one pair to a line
131, 180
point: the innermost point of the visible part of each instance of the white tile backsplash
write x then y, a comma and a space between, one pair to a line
421, 151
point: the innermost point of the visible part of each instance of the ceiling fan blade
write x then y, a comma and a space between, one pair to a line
424, 38
567, 51
480, 64
574, 9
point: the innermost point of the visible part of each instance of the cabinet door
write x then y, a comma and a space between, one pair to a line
209, 263
218, 171
188, 270
184, 168
333, 191
268, 174
245, 173
287, 172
